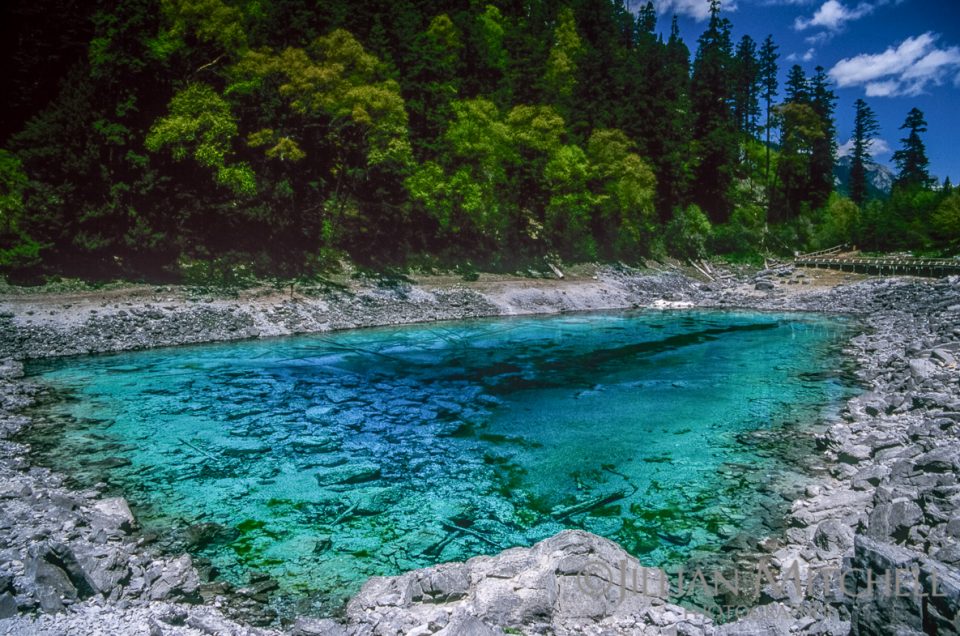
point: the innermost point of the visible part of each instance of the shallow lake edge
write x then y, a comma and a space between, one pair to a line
612, 289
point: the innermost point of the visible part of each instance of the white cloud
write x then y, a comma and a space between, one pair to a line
786, 3
904, 69
696, 9
889, 88
806, 56
819, 38
875, 148
833, 15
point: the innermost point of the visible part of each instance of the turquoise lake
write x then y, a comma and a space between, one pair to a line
325, 459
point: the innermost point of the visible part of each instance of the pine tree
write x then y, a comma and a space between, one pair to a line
747, 87
911, 159
769, 83
822, 160
434, 82
865, 127
797, 86
646, 19
714, 126
668, 135
562, 69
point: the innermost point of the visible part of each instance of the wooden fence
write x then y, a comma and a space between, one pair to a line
830, 259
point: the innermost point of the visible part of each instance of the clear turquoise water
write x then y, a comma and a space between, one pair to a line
322, 460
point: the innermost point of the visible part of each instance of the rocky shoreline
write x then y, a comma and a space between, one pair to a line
889, 496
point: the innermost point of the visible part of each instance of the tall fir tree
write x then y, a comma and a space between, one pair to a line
800, 125
911, 159
637, 115
747, 87
434, 82
669, 131
714, 126
823, 158
797, 86
770, 85
646, 20
865, 128
560, 77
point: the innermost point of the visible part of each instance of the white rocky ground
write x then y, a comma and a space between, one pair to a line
73, 563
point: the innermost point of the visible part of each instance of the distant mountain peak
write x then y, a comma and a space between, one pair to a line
879, 178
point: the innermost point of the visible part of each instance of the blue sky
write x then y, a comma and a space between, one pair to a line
895, 54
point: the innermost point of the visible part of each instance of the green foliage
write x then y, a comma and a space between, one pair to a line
207, 22
492, 31
560, 77
279, 136
435, 80
17, 250
839, 224
222, 273
946, 221
901, 223
201, 125
865, 128
743, 236
571, 204
339, 85
911, 159
627, 184
714, 129
688, 233
801, 130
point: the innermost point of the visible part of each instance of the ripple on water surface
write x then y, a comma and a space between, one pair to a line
323, 460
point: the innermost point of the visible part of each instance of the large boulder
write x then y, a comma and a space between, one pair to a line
893, 520
567, 584
54, 578
894, 590
112, 516
173, 580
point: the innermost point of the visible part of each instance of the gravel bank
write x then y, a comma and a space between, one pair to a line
74, 562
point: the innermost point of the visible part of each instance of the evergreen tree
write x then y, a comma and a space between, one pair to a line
865, 127
747, 87
800, 129
560, 77
669, 127
714, 127
434, 82
770, 84
640, 113
911, 159
603, 68
824, 153
646, 20
797, 86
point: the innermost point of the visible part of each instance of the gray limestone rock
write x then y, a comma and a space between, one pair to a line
564, 584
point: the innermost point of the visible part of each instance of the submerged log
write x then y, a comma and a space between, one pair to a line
588, 505
198, 449
346, 514
473, 533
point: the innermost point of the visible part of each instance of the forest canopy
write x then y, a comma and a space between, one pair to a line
146, 135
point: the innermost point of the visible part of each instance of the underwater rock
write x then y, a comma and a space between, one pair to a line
355, 473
